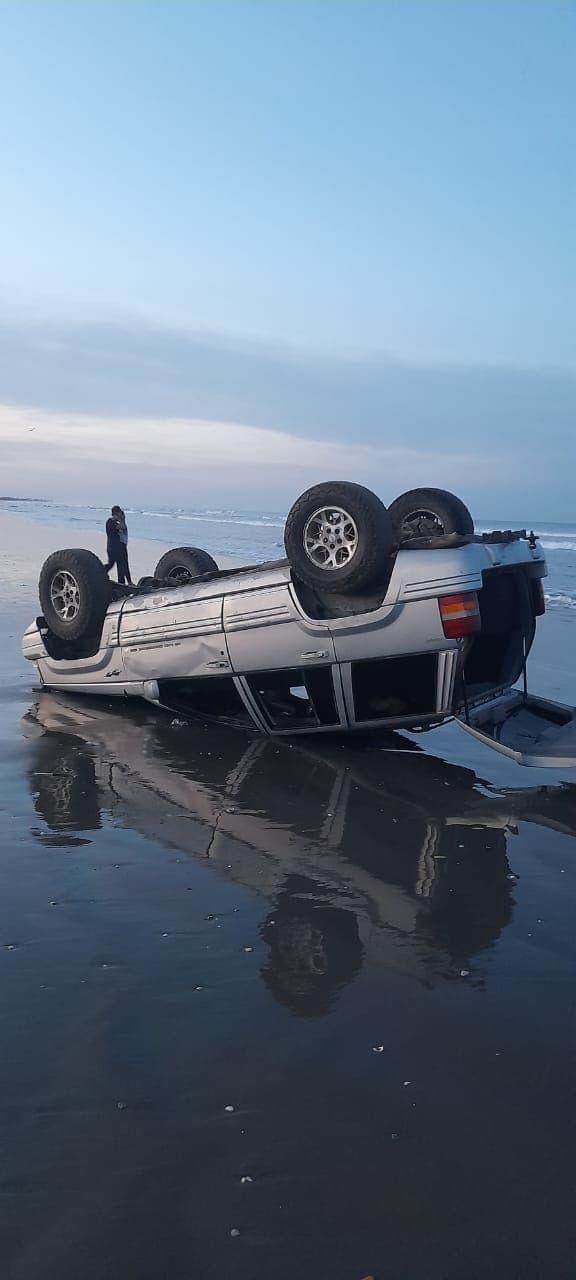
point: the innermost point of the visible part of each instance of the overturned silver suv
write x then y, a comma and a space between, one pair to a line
400, 617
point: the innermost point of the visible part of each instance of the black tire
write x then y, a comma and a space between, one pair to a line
363, 546
79, 614
429, 513
184, 563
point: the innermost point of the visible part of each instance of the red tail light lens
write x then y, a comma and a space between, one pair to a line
460, 615
538, 601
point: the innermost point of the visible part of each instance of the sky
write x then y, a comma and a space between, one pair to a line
251, 244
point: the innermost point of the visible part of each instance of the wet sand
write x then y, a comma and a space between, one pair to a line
24, 544
342, 969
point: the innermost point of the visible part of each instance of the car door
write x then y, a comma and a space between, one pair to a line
265, 630
173, 634
284, 662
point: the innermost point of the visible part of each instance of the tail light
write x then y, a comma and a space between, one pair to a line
538, 601
460, 615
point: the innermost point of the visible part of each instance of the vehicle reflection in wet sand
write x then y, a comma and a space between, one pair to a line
362, 853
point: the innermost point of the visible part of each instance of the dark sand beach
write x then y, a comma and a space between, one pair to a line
278, 1009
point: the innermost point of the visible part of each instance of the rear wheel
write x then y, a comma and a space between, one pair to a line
338, 537
184, 563
429, 513
74, 594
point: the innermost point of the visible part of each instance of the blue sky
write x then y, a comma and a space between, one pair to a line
301, 198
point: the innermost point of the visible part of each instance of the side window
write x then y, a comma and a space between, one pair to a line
296, 698
212, 696
394, 687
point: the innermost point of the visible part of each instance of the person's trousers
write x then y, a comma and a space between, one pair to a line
119, 556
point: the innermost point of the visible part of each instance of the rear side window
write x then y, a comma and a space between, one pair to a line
296, 698
394, 687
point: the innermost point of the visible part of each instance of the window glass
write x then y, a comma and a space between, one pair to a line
214, 696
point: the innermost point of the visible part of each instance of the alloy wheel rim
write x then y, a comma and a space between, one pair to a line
331, 538
65, 595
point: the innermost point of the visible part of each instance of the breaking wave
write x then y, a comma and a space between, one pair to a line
557, 546
211, 518
560, 599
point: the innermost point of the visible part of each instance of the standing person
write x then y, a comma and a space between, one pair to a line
123, 561
117, 545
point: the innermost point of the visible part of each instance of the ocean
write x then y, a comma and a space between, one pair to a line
253, 536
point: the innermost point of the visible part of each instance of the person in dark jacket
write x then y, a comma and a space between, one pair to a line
117, 545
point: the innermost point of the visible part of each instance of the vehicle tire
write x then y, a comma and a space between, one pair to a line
74, 594
184, 563
429, 513
338, 537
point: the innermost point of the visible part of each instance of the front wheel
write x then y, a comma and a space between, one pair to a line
429, 513
74, 594
184, 563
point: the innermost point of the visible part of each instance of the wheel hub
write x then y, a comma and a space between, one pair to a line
331, 538
65, 595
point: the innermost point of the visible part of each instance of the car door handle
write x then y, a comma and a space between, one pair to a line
218, 664
314, 653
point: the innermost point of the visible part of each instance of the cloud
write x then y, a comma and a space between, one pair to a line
176, 454
197, 415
